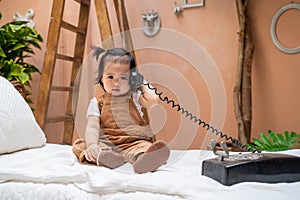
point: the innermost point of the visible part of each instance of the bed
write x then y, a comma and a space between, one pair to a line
52, 172
31, 168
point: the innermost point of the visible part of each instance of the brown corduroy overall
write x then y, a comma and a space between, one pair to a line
123, 129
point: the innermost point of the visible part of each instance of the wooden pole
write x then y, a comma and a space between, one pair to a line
242, 89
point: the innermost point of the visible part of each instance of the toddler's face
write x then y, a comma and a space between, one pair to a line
116, 79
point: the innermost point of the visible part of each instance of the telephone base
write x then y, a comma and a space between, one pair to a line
270, 168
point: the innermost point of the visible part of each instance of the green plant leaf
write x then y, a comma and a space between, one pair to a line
280, 138
258, 142
266, 141
18, 46
252, 147
24, 78
275, 142
2, 54
290, 138
15, 27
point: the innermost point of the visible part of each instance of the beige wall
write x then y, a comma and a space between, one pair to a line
193, 59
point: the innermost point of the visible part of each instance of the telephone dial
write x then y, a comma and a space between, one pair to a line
244, 166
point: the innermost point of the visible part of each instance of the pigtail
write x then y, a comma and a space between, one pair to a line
97, 52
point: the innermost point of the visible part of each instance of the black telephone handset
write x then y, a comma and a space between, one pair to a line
136, 80
232, 169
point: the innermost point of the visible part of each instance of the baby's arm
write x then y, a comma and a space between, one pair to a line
92, 138
148, 97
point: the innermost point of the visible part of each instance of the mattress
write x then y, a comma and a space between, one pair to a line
53, 172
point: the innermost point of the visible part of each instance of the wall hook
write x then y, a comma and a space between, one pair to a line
177, 9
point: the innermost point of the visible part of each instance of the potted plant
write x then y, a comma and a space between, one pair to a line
16, 45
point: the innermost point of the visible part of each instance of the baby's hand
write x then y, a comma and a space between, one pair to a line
92, 152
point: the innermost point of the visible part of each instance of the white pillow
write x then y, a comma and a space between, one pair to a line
18, 128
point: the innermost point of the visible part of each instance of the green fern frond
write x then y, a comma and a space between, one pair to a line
276, 141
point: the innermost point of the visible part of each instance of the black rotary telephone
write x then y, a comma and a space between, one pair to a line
259, 167
231, 169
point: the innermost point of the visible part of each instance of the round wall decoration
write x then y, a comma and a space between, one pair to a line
273, 29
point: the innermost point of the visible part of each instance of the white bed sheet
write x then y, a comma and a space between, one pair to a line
53, 172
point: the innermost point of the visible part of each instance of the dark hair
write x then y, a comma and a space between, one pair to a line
112, 55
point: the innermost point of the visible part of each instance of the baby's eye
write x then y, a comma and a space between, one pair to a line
110, 77
125, 78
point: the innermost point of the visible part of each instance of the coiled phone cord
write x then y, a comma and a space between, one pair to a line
198, 121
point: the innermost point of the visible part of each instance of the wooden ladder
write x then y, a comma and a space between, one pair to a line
51, 55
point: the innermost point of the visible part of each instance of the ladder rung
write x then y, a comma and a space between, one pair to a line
55, 119
68, 58
72, 28
86, 2
61, 88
